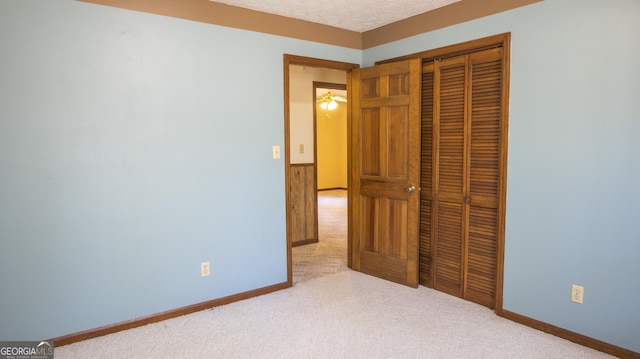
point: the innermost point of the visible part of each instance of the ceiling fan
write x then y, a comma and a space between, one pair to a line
329, 101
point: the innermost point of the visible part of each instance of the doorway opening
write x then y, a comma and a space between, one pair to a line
327, 254
302, 75
330, 127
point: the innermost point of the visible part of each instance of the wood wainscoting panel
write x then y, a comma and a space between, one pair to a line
304, 204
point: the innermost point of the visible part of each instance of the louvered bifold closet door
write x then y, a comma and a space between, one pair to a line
449, 210
460, 203
484, 174
426, 174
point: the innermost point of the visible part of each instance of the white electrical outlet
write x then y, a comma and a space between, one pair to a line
301, 148
205, 269
577, 293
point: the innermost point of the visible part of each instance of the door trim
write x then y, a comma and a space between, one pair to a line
463, 48
288, 60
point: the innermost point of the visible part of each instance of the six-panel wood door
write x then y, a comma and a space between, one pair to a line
384, 170
462, 148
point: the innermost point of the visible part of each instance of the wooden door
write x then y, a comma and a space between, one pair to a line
385, 170
463, 166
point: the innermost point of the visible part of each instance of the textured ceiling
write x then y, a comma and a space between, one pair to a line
355, 15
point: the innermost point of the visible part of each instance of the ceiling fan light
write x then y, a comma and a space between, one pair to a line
323, 105
332, 105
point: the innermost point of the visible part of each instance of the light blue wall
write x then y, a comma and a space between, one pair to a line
133, 147
573, 198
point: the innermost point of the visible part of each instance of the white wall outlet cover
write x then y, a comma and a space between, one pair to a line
205, 269
577, 293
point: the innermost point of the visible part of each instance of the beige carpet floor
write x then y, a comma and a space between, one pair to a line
343, 315
329, 254
333, 312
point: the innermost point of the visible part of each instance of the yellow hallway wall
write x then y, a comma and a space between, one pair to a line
331, 142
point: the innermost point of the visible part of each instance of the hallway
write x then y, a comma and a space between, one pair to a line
329, 254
